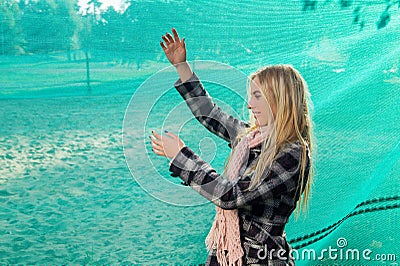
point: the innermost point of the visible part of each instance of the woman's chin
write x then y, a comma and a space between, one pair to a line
258, 123
261, 125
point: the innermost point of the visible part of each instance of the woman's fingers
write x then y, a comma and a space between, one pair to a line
165, 145
156, 145
169, 36
157, 138
162, 45
176, 36
156, 135
156, 141
159, 152
165, 39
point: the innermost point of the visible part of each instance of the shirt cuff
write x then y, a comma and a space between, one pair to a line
170, 162
182, 163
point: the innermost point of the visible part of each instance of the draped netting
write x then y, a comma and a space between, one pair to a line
67, 77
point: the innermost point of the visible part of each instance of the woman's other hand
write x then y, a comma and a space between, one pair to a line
167, 146
174, 48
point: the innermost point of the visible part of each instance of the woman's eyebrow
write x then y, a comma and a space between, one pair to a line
254, 92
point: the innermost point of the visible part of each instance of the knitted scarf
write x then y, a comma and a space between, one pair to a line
225, 234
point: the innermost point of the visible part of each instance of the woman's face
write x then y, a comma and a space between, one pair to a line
259, 105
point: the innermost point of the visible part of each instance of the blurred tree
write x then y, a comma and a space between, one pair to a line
38, 23
143, 31
109, 33
47, 26
146, 25
67, 18
87, 38
10, 30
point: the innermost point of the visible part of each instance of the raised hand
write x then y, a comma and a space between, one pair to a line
168, 145
174, 48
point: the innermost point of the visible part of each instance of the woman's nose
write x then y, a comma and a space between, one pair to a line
249, 104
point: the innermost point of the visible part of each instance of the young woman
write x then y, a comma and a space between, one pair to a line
269, 171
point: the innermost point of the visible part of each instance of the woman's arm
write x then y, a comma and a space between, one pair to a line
184, 71
227, 194
206, 111
191, 89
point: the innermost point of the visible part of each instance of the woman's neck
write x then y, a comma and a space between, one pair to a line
267, 130
264, 129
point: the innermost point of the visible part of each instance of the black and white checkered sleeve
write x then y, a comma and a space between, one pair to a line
200, 176
206, 111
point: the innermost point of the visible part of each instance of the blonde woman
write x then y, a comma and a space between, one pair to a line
269, 171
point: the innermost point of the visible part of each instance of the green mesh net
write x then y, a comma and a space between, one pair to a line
69, 70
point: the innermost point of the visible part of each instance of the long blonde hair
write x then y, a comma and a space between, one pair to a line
292, 122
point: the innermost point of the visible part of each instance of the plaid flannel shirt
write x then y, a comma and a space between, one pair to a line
263, 211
